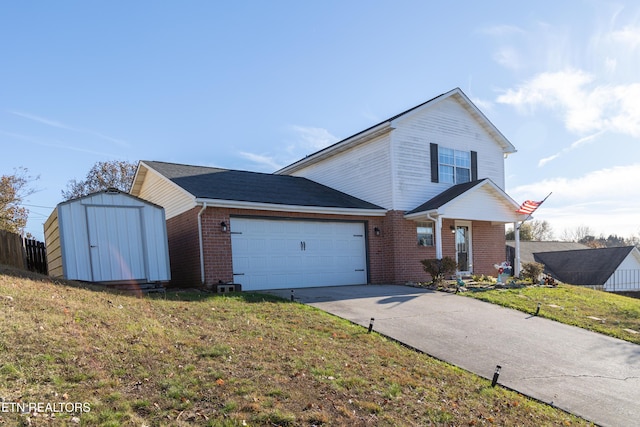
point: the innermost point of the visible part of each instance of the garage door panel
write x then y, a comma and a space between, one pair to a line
271, 254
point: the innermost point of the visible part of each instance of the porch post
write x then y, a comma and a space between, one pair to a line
516, 261
439, 237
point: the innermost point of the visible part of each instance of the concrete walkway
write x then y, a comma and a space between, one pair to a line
591, 375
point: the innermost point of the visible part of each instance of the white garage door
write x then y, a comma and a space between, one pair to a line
276, 254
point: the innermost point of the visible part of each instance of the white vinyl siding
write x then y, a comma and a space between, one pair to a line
163, 192
626, 276
482, 203
394, 171
363, 172
448, 124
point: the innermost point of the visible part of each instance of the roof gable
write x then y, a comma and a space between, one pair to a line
110, 196
209, 183
583, 266
480, 200
390, 123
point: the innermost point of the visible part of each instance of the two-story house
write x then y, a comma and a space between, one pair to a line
426, 183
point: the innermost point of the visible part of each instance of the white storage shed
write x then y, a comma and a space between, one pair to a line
108, 237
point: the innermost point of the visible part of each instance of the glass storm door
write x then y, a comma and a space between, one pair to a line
463, 247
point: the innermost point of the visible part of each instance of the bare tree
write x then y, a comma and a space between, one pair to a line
541, 230
533, 230
13, 191
576, 234
113, 174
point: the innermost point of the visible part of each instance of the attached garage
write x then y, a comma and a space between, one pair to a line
277, 253
261, 231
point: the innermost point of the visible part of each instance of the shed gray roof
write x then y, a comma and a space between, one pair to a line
224, 184
584, 266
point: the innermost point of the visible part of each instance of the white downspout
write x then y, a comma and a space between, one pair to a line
438, 221
516, 261
204, 206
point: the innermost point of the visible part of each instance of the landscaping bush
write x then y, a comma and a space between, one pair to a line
532, 270
438, 269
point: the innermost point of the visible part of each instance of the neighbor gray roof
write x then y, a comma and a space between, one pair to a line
224, 184
528, 248
584, 266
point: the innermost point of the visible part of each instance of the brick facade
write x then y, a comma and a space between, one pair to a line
393, 256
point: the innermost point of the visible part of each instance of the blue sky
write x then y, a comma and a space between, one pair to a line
255, 85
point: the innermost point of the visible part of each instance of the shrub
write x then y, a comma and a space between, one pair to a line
438, 269
532, 270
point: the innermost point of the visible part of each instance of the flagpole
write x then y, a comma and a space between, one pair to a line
516, 235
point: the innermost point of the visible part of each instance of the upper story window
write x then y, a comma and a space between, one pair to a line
454, 166
451, 166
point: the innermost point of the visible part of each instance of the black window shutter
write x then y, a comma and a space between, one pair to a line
474, 166
434, 163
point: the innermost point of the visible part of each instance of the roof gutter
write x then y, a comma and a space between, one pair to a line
204, 206
239, 204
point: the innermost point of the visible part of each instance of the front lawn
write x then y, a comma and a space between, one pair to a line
599, 311
200, 359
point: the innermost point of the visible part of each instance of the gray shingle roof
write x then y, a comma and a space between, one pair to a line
224, 184
583, 266
528, 248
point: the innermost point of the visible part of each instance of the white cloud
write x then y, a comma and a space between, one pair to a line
482, 104
629, 36
606, 200
60, 125
502, 30
306, 140
572, 147
584, 107
55, 144
267, 162
313, 138
604, 184
508, 57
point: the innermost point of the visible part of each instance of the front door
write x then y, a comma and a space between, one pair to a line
463, 247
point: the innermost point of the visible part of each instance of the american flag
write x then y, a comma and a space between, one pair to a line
528, 207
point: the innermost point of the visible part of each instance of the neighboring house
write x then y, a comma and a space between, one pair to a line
528, 248
426, 183
610, 269
108, 237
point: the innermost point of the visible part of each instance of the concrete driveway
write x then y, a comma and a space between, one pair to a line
585, 373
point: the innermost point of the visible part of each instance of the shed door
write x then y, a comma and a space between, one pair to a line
115, 242
273, 254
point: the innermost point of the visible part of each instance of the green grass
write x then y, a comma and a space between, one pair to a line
196, 359
573, 305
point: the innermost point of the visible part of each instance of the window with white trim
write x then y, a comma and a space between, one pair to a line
454, 166
425, 233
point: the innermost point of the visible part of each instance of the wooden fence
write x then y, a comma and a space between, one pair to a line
22, 253
11, 250
36, 255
